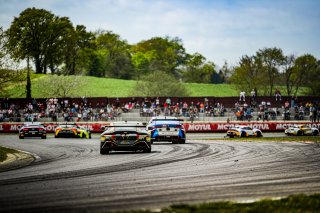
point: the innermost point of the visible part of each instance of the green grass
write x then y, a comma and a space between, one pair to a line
4, 151
108, 87
293, 204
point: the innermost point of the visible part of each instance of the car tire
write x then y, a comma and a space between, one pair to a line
21, 137
259, 134
315, 133
44, 137
243, 134
104, 151
299, 133
148, 150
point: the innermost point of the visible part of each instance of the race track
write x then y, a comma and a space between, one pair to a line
69, 175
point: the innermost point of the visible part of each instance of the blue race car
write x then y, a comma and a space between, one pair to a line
168, 129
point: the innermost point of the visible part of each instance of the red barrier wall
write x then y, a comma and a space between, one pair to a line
190, 127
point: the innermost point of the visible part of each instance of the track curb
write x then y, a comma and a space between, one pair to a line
17, 160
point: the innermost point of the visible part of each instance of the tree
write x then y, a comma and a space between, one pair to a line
27, 36
290, 77
9, 72
77, 40
197, 70
247, 75
141, 62
114, 56
159, 84
225, 72
168, 54
272, 59
313, 80
306, 73
47, 39
59, 86
28, 85
57, 35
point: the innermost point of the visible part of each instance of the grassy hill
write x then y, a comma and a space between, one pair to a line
107, 87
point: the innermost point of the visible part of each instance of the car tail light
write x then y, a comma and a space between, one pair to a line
110, 137
25, 129
140, 137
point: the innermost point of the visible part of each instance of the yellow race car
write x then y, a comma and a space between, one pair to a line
244, 131
301, 129
71, 131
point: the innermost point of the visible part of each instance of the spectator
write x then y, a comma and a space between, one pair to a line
168, 101
242, 96
278, 95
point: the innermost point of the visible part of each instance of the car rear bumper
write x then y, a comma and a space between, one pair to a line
142, 145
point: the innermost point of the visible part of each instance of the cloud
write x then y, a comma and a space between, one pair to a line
220, 30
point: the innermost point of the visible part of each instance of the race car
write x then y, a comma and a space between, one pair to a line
168, 129
301, 129
71, 131
34, 129
125, 136
243, 131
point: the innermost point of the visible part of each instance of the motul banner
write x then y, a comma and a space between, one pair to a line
14, 127
263, 126
190, 127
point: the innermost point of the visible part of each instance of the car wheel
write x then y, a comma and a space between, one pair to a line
299, 133
104, 151
243, 134
44, 137
83, 135
259, 134
148, 150
21, 137
315, 133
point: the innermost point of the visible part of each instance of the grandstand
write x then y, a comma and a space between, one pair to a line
192, 109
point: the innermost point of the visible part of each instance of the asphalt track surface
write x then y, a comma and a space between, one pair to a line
69, 175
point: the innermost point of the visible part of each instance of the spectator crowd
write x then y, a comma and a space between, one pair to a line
72, 111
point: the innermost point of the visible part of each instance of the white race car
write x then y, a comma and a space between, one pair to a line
301, 129
244, 131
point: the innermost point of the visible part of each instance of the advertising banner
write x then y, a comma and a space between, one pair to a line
190, 127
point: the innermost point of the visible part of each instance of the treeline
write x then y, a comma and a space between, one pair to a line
56, 46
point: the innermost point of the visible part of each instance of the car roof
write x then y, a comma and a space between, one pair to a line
165, 122
67, 125
165, 118
32, 124
127, 124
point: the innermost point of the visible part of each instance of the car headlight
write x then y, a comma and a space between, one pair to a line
102, 138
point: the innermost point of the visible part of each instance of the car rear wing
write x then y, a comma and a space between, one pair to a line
134, 126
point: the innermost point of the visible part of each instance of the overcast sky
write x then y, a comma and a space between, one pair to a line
221, 30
